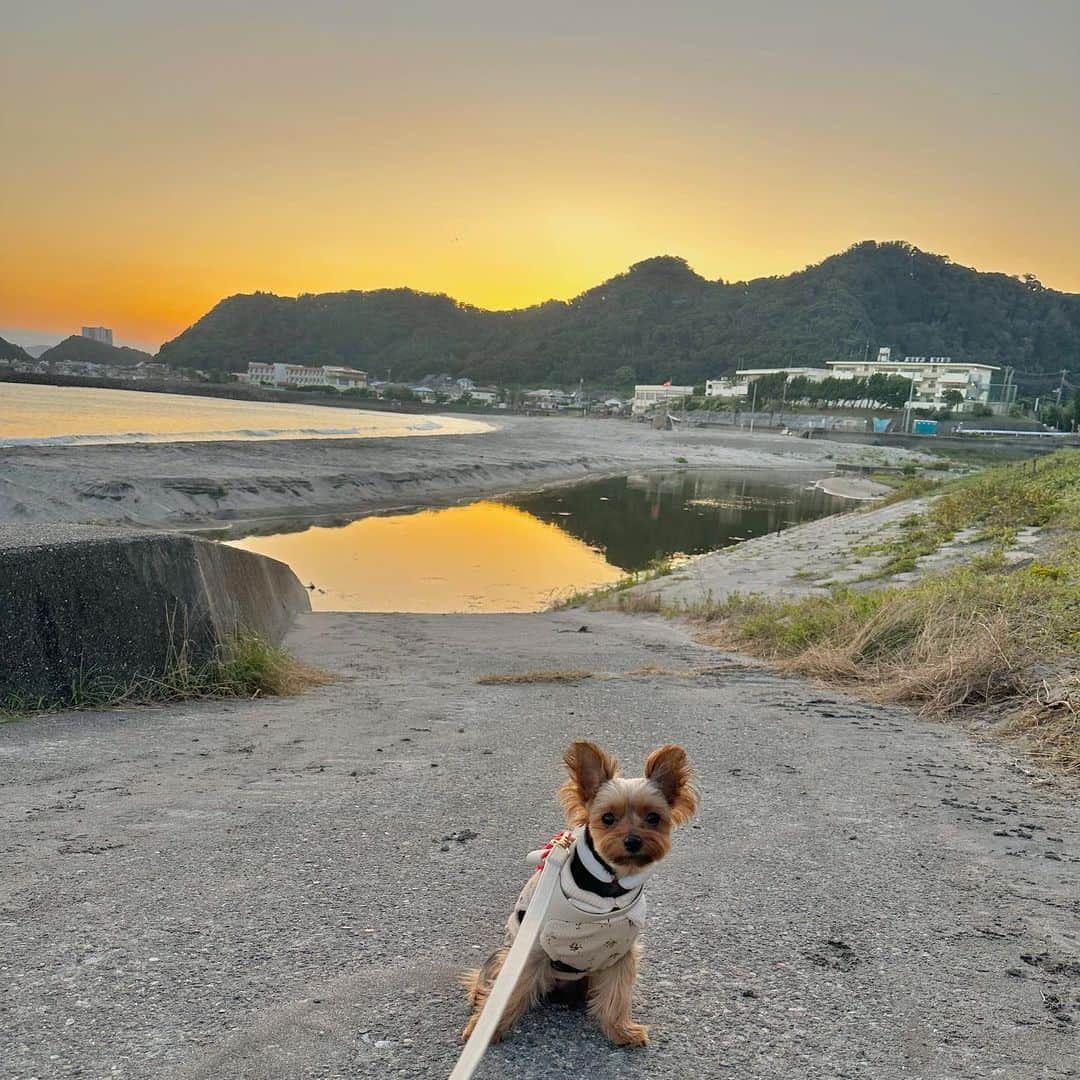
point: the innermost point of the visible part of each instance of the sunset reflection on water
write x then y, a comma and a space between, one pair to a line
482, 557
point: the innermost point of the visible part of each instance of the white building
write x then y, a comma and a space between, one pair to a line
932, 377
98, 333
647, 396
738, 385
484, 395
341, 378
549, 400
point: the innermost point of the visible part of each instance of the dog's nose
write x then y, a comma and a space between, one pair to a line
632, 843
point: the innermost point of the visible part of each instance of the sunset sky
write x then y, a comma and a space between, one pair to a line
162, 155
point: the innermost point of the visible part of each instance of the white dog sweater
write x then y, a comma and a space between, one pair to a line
594, 919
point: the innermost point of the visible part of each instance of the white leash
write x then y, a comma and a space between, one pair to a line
515, 960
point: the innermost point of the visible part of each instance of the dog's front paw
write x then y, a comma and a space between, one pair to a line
628, 1034
468, 1029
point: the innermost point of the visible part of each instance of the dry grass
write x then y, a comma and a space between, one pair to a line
987, 633
1049, 727
641, 603
242, 666
647, 671
936, 659
516, 678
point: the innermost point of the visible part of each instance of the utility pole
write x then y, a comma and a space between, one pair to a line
907, 407
1061, 387
753, 408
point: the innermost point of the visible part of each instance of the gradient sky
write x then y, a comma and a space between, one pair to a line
162, 155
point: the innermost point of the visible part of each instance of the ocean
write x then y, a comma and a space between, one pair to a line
66, 415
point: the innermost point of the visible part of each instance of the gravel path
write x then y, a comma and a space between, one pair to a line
289, 888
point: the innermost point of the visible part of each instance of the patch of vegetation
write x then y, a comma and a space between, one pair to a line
986, 632
605, 594
998, 500
243, 666
516, 678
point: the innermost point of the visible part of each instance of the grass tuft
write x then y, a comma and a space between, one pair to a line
515, 678
245, 665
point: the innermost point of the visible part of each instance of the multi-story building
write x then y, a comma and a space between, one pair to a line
932, 377
738, 385
343, 378
647, 396
98, 333
292, 375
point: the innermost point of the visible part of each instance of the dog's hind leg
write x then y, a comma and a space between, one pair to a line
610, 993
535, 981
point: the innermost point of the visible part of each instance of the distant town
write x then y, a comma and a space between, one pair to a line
917, 385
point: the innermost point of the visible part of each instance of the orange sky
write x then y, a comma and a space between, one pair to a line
160, 160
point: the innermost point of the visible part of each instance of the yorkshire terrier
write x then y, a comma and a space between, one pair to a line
621, 830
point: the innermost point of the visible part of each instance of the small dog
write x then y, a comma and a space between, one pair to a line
622, 829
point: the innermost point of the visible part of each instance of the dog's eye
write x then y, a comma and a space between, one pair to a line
608, 818
652, 818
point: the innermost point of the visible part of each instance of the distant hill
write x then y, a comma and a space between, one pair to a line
86, 350
10, 351
660, 320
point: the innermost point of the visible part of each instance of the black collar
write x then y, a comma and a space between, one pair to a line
588, 882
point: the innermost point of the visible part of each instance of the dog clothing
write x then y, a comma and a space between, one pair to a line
594, 918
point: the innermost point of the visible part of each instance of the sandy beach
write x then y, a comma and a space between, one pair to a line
213, 484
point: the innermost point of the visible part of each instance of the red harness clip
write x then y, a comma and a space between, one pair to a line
546, 849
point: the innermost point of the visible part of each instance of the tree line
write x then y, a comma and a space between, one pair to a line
887, 391
659, 320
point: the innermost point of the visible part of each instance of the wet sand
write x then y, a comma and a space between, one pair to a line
214, 484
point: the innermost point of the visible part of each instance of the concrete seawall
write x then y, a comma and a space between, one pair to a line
81, 602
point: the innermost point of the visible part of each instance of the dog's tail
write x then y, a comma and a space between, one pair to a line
470, 982
477, 982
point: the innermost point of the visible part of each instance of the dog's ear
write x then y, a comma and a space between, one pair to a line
670, 770
589, 769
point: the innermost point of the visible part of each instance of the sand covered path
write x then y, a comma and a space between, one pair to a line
289, 888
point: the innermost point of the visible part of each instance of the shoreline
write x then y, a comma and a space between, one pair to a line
205, 486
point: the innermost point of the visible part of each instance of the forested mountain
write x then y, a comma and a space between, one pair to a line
10, 351
76, 348
660, 320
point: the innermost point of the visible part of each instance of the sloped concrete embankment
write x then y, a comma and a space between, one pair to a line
80, 602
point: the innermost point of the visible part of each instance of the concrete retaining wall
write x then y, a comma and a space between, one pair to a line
1019, 446
78, 601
